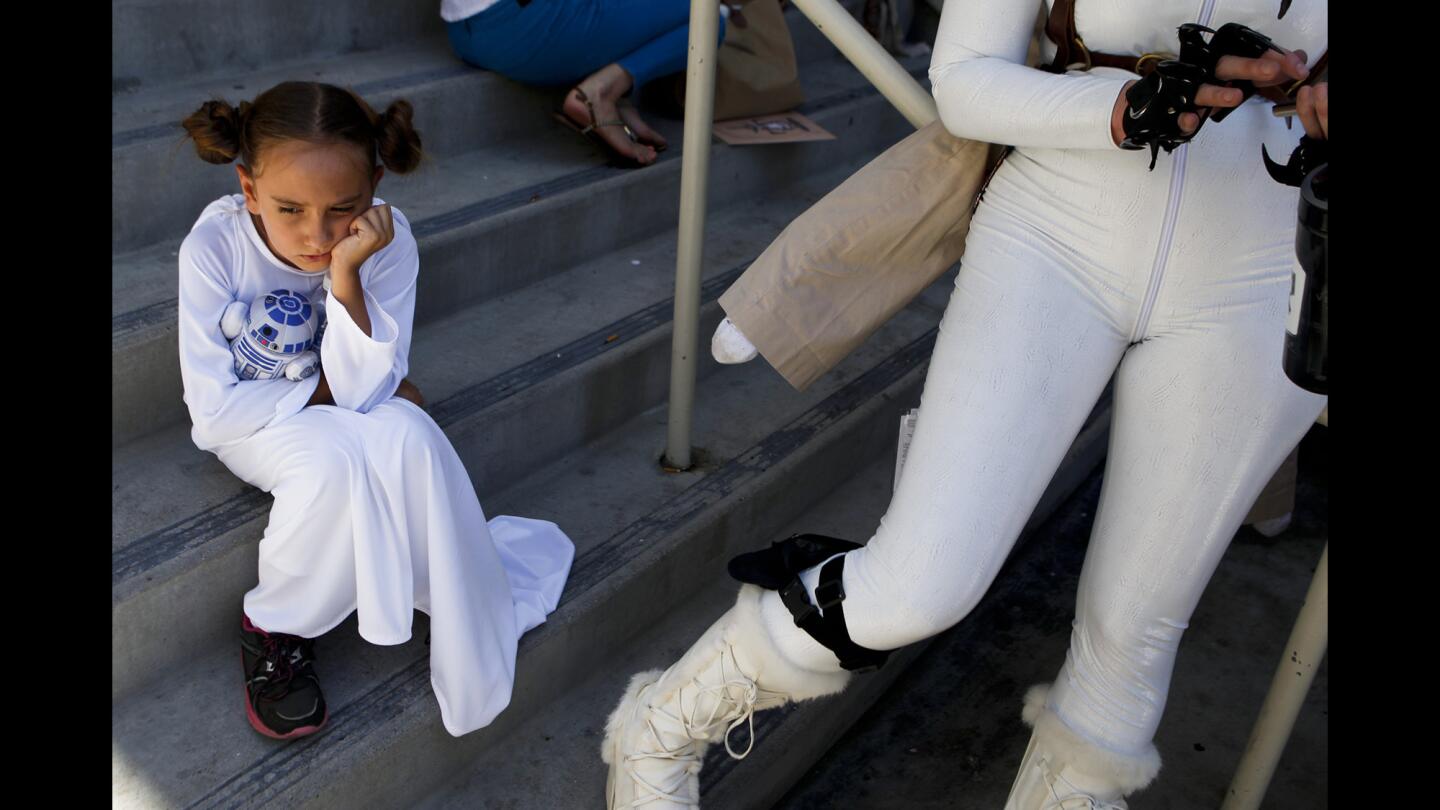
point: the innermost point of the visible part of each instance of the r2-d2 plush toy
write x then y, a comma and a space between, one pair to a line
274, 336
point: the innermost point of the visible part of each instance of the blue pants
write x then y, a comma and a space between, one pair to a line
560, 42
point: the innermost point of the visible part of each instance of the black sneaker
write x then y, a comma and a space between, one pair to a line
282, 694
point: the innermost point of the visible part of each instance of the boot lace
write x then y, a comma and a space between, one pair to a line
732, 702
1073, 800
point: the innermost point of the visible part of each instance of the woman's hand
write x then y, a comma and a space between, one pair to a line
1271, 69
369, 232
1312, 105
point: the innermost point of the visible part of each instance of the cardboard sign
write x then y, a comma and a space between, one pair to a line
791, 127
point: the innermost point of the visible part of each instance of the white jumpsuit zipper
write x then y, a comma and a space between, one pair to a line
1172, 209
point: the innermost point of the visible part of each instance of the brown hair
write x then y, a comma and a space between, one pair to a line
306, 111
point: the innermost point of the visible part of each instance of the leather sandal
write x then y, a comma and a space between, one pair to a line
589, 131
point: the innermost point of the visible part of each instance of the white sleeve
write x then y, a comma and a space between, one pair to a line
223, 409
985, 92
364, 370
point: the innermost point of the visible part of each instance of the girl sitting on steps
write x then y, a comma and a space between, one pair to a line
373, 509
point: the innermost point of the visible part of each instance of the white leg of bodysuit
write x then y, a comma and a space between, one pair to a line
1022, 355
1204, 415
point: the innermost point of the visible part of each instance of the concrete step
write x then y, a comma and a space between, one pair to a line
496, 220
642, 537
553, 759
515, 382
154, 41
159, 185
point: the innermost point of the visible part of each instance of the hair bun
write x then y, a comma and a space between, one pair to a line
216, 129
397, 141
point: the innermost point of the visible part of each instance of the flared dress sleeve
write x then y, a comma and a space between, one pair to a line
223, 408
364, 370
985, 92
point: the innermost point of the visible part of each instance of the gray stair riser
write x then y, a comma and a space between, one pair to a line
416, 755
158, 188
161, 627
153, 42
500, 253
145, 390
145, 112
159, 185
193, 608
527, 431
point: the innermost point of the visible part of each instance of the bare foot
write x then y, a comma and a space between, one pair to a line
642, 130
603, 90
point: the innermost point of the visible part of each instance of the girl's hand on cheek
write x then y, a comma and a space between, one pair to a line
369, 233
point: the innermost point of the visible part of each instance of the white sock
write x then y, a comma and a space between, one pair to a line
795, 644
810, 578
729, 345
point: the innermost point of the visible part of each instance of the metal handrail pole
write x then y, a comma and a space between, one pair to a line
1287, 693
689, 249
873, 62
870, 58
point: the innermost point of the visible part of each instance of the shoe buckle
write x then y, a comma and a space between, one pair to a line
830, 594
796, 600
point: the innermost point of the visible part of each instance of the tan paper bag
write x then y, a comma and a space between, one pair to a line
860, 254
755, 70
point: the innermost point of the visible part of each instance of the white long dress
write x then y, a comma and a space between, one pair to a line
373, 509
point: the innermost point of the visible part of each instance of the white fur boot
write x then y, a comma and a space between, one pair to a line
1061, 771
655, 740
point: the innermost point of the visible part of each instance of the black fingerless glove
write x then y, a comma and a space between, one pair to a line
1156, 102
1233, 39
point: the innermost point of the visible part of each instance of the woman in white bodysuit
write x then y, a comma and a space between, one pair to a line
1081, 265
